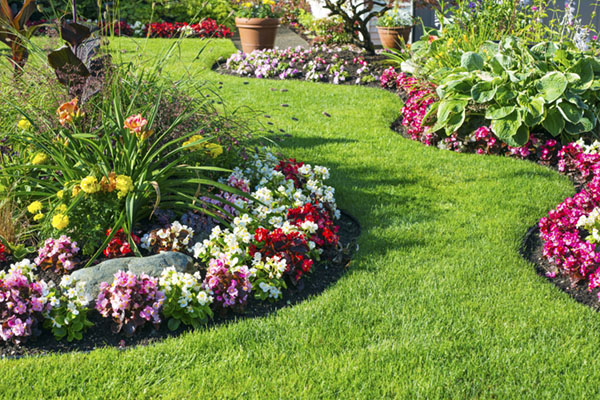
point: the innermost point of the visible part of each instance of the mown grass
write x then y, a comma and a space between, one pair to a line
437, 303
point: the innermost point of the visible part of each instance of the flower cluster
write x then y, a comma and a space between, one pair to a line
68, 314
116, 28
212, 149
579, 160
176, 237
204, 29
130, 301
292, 247
22, 302
317, 64
266, 274
316, 223
58, 254
119, 245
228, 282
185, 299
122, 184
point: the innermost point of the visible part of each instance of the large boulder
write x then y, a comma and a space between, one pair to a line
153, 266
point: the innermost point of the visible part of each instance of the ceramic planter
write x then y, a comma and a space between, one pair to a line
257, 33
390, 36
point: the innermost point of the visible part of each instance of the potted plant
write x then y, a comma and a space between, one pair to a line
257, 21
394, 28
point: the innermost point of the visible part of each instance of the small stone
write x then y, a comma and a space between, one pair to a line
283, 90
220, 83
285, 105
269, 123
281, 130
273, 89
326, 114
294, 119
267, 116
246, 82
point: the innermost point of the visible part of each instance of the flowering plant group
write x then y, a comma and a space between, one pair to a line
395, 17
58, 254
258, 9
130, 301
67, 316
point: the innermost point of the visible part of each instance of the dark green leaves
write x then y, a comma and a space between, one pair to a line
552, 86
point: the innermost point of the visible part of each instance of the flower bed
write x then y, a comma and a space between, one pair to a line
341, 65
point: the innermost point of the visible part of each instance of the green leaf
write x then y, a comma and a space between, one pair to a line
173, 324
554, 122
497, 112
520, 138
455, 122
483, 92
552, 85
447, 108
585, 70
471, 61
504, 94
535, 112
507, 126
570, 112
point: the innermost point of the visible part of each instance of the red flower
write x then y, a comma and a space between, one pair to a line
119, 245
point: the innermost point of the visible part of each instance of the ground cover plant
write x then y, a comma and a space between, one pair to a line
337, 65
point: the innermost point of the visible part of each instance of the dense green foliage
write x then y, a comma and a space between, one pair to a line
548, 87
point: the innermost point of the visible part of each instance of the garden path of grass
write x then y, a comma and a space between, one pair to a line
437, 303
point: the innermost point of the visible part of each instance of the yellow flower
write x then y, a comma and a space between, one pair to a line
124, 185
38, 217
194, 138
39, 158
24, 124
62, 208
60, 221
269, 2
76, 190
34, 207
215, 150
247, 4
90, 184
60, 194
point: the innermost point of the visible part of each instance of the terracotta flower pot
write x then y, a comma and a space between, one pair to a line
257, 33
390, 36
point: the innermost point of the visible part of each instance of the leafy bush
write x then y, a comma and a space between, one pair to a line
327, 30
515, 90
395, 17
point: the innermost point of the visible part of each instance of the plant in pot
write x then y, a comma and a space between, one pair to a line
394, 28
257, 21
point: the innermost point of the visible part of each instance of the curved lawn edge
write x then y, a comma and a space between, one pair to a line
438, 303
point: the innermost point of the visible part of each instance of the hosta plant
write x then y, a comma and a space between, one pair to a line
515, 90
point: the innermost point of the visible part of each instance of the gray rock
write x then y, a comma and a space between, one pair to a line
153, 266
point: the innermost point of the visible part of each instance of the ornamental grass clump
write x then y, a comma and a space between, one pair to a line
130, 301
186, 301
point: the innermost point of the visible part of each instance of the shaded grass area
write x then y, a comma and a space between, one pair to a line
438, 303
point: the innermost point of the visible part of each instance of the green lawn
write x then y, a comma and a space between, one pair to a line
438, 303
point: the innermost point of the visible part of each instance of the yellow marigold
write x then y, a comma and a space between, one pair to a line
24, 124
68, 111
90, 184
60, 194
38, 217
62, 208
124, 185
269, 2
215, 150
35, 207
39, 158
76, 190
60, 221
247, 4
194, 138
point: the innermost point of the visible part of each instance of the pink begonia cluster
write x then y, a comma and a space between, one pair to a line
573, 159
230, 286
22, 302
420, 96
564, 245
130, 299
58, 253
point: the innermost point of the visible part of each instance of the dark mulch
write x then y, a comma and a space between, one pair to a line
532, 250
324, 274
376, 62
